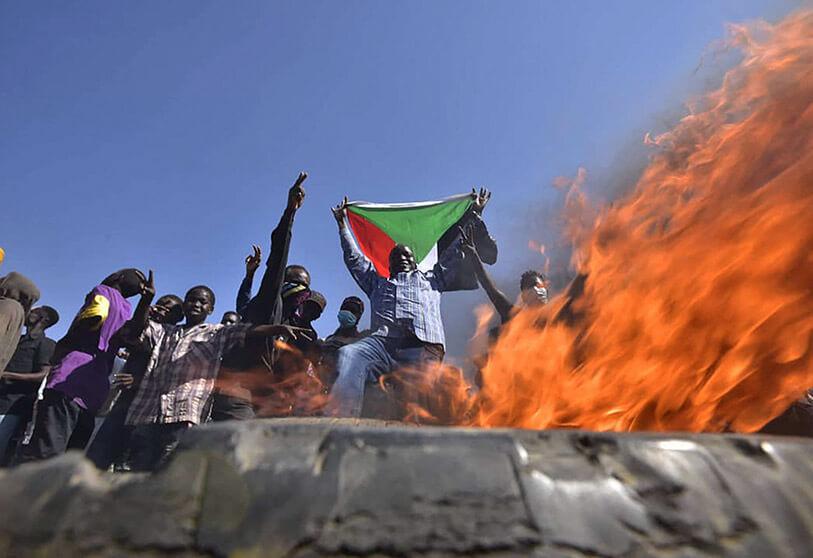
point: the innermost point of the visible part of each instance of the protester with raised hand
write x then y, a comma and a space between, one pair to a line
184, 364
282, 291
473, 221
266, 306
78, 382
253, 262
406, 322
112, 440
532, 284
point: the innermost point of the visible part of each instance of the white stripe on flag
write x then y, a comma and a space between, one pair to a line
430, 260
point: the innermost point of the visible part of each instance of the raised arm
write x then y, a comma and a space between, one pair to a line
360, 267
129, 335
260, 308
498, 299
142, 311
244, 292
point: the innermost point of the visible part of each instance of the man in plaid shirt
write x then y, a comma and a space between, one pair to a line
184, 362
406, 322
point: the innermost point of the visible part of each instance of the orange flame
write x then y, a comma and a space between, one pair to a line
291, 388
693, 309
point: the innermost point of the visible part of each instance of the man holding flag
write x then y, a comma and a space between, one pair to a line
405, 297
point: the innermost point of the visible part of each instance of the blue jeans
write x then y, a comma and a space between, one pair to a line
366, 360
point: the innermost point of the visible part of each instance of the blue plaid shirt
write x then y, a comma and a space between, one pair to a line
408, 303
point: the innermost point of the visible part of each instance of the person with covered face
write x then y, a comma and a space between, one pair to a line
406, 322
533, 285
266, 307
283, 289
349, 316
24, 373
112, 440
184, 363
78, 382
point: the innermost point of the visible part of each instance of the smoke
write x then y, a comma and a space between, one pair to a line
541, 235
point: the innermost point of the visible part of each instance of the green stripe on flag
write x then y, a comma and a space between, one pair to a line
418, 227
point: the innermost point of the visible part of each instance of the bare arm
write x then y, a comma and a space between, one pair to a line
244, 292
142, 311
265, 331
34, 377
498, 299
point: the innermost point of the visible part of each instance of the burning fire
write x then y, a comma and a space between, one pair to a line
693, 309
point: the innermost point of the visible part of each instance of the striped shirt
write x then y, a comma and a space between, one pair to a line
180, 376
408, 303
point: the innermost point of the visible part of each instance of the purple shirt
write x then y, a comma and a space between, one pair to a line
83, 377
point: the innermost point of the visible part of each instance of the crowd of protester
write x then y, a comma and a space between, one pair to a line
123, 384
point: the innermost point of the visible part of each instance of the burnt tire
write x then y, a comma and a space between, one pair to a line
334, 487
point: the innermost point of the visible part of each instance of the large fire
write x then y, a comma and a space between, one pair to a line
693, 309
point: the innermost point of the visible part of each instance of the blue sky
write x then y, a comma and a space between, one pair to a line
165, 135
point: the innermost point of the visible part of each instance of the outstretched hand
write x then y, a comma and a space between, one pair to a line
148, 287
253, 260
339, 211
467, 242
123, 380
281, 330
293, 332
481, 199
296, 195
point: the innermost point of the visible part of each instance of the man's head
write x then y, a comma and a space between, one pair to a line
402, 259
313, 307
198, 304
533, 288
128, 282
350, 312
167, 310
230, 318
41, 317
297, 274
20, 288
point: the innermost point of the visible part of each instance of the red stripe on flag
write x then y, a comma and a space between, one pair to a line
374, 242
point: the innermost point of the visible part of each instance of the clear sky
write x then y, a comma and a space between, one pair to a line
165, 135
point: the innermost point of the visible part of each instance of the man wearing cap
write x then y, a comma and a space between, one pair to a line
17, 295
24, 373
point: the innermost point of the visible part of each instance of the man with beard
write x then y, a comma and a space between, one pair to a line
406, 323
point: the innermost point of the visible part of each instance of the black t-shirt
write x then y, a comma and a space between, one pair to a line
33, 352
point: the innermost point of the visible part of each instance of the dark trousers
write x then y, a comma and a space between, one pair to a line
113, 438
151, 445
227, 407
59, 425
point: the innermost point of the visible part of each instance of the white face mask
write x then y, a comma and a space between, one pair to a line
541, 294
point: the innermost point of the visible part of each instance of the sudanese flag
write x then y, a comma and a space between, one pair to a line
420, 225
